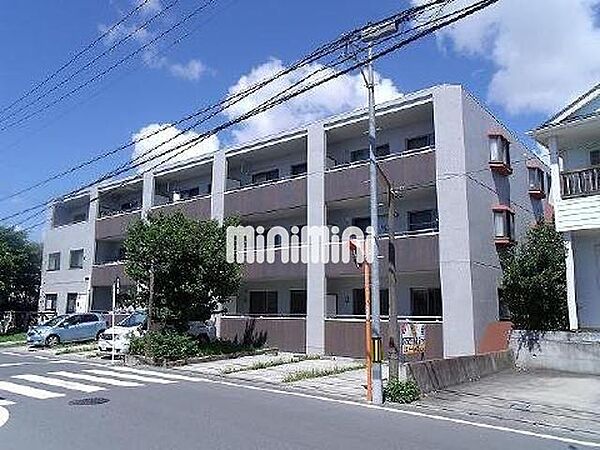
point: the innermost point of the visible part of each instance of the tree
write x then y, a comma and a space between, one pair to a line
187, 260
534, 281
20, 261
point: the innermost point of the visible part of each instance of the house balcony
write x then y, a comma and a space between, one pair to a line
106, 274
198, 207
403, 170
268, 197
580, 183
115, 226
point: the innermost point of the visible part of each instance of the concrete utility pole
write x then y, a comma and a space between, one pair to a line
116, 291
375, 300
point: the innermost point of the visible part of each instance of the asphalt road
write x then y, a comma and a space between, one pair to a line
159, 411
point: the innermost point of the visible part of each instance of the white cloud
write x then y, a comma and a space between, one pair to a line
169, 132
191, 71
545, 52
341, 94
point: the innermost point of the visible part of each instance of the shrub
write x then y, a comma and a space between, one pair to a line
164, 346
399, 391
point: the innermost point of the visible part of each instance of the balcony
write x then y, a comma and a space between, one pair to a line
351, 181
195, 207
580, 183
105, 275
268, 197
115, 226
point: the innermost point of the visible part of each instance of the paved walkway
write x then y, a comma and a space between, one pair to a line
349, 384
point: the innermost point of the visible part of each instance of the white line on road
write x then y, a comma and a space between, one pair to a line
154, 373
3, 416
13, 364
487, 426
72, 385
110, 373
6, 402
28, 391
95, 379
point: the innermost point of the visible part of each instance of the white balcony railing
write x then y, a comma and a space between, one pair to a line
578, 183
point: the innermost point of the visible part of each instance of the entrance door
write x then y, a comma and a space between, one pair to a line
71, 302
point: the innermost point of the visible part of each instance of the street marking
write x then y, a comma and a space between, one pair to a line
21, 355
28, 391
6, 402
72, 385
156, 374
3, 416
95, 379
547, 437
13, 364
127, 376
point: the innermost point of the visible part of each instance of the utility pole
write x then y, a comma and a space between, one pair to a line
115, 293
393, 354
150, 296
375, 300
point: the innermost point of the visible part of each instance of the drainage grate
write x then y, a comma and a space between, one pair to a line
89, 401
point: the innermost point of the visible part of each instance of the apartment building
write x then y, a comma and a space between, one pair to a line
465, 186
572, 138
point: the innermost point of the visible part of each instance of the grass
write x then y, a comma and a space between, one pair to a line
271, 363
75, 349
13, 337
317, 373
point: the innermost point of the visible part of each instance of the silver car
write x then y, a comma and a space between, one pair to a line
67, 328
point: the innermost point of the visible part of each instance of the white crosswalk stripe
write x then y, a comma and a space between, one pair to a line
95, 379
72, 385
6, 402
28, 391
127, 376
153, 373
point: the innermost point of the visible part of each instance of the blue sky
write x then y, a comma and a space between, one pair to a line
229, 42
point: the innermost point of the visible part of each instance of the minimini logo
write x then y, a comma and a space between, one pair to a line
311, 244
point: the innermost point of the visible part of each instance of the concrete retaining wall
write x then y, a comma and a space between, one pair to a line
441, 373
576, 352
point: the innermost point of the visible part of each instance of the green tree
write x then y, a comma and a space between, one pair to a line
188, 258
534, 280
20, 261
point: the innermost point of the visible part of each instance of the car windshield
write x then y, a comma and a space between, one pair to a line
54, 322
133, 320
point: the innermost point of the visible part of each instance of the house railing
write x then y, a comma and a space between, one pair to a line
578, 183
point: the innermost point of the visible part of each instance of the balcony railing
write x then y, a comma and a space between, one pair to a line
578, 183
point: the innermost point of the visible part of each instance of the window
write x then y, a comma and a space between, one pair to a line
130, 205
504, 224
298, 169
537, 180
88, 318
50, 302
76, 259
81, 217
185, 194
71, 302
263, 302
363, 153
426, 301
500, 154
364, 222
423, 220
595, 158
298, 301
54, 261
263, 177
418, 142
358, 302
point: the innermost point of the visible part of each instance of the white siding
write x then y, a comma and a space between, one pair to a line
581, 213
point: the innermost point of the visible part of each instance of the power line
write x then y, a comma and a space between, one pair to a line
110, 68
278, 98
75, 57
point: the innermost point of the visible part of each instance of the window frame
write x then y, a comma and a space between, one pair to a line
53, 297
507, 216
294, 169
71, 254
594, 158
267, 174
270, 298
428, 137
410, 225
71, 296
56, 267
433, 299
294, 309
499, 154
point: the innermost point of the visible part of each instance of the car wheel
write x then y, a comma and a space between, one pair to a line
98, 335
52, 340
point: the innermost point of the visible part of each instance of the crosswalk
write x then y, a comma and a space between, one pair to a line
59, 383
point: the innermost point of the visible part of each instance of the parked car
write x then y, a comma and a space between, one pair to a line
205, 331
67, 328
120, 335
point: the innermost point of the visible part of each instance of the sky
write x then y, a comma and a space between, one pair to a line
523, 60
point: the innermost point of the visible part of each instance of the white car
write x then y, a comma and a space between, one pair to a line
119, 336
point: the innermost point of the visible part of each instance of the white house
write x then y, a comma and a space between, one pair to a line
572, 138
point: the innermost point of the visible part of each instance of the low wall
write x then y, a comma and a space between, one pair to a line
346, 337
576, 352
438, 374
286, 333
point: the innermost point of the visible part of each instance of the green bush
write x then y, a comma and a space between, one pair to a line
399, 391
164, 346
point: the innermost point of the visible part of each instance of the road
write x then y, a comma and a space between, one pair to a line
152, 409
